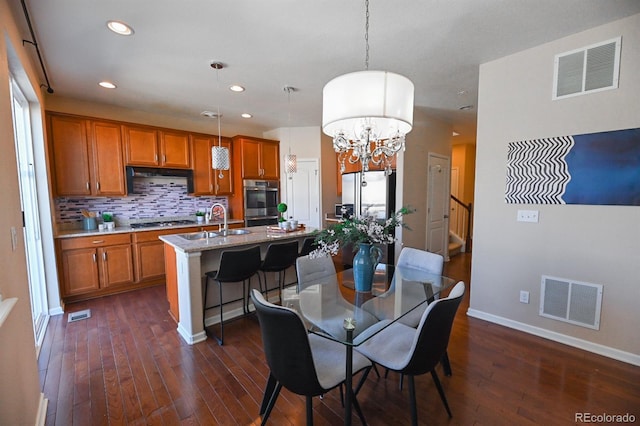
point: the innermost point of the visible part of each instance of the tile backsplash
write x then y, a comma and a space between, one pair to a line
154, 198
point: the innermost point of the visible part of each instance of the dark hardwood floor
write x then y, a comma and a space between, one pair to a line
127, 365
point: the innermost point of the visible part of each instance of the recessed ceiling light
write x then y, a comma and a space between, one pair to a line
246, 115
466, 107
210, 114
236, 88
107, 85
120, 27
455, 134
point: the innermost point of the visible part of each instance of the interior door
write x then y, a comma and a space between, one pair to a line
303, 193
438, 204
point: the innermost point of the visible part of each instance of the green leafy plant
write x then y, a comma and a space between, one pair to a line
359, 230
107, 217
282, 208
199, 213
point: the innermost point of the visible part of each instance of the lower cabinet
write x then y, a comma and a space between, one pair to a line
149, 253
93, 266
105, 264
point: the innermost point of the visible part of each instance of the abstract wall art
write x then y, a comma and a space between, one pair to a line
595, 168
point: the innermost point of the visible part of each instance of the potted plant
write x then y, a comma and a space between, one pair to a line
107, 218
282, 208
200, 216
363, 233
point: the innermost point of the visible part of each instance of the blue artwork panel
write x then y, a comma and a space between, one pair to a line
605, 169
597, 168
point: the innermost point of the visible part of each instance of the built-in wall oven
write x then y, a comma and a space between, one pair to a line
261, 198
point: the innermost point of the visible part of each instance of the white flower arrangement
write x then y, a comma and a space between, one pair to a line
355, 230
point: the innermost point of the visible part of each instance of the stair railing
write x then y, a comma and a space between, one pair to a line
462, 225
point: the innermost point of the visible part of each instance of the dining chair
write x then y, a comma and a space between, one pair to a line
315, 270
235, 266
305, 364
413, 352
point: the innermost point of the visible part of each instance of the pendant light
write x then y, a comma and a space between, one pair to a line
368, 113
290, 161
219, 154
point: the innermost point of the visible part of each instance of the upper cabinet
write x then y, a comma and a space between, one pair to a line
147, 146
86, 156
259, 158
207, 181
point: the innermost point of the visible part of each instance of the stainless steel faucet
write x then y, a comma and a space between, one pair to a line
221, 228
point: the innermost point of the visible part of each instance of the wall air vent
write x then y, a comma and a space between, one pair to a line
586, 70
571, 301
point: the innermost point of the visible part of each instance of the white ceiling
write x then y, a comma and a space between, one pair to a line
164, 67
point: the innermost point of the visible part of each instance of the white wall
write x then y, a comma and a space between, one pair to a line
304, 142
428, 135
597, 244
20, 397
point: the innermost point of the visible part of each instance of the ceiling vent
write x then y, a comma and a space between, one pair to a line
586, 70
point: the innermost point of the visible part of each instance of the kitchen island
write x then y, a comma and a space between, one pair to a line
187, 261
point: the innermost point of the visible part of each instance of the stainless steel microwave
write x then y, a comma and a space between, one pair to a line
344, 210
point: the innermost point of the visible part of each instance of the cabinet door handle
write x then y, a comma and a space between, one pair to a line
217, 187
155, 158
94, 258
88, 186
164, 158
104, 256
98, 186
97, 241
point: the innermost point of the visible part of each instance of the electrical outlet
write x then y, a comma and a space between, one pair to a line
528, 216
524, 296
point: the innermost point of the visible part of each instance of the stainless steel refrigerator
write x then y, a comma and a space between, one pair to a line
376, 198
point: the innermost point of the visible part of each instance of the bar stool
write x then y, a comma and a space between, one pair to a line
307, 246
279, 257
235, 266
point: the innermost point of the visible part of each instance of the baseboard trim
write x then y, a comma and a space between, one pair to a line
41, 415
596, 348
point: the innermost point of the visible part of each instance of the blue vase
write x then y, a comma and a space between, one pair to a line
364, 266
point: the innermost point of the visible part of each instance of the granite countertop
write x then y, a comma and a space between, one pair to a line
70, 233
257, 235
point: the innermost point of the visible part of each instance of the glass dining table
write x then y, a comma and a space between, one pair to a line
332, 308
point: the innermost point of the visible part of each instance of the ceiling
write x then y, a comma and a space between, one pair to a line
164, 68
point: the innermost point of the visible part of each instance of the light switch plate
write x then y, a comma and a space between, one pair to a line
528, 216
524, 296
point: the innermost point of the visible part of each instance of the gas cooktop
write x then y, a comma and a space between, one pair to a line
162, 223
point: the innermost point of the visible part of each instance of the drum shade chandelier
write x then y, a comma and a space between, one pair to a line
368, 113
219, 154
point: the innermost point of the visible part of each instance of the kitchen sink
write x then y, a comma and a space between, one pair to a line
199, 235
238, 231
194, 236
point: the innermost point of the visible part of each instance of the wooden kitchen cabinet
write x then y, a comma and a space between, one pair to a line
96, 265
86, 156
207, 181
174, 149
259, 158
108, 159
149, 253
150, 147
